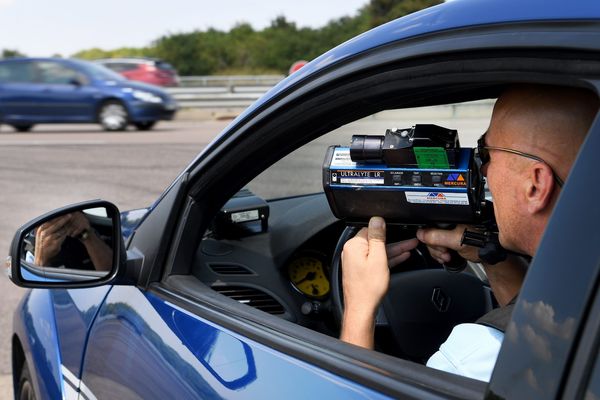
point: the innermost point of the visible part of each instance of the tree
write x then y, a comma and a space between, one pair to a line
273, 49
379, 12
7, 53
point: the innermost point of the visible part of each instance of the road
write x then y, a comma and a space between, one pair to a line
57, 165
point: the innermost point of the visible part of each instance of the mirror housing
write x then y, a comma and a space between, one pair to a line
96, 254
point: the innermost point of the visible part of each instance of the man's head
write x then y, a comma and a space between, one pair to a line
550, 123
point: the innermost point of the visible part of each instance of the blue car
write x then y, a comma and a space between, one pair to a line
228, 286
54, 90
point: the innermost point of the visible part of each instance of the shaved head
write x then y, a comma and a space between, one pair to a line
549, 122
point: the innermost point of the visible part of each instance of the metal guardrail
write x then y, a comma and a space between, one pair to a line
240, 91
222, 91
230, 80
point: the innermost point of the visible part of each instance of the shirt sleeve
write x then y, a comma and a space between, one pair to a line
471, 350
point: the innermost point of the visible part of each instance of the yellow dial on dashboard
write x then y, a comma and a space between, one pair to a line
308, 276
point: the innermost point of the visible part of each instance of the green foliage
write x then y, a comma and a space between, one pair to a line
271, 50
95, 53
379, 12
7, 53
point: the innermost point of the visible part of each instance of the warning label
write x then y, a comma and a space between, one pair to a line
457, 199
341, 158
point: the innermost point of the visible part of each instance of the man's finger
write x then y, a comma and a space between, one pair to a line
362, 234
377, 253
357, 245
394, 261
376, 230
56, 224
440, 237
403, 246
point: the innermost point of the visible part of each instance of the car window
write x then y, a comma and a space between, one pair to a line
56, 73
470, 119
120, 67
99, 72
17, 72
164, 66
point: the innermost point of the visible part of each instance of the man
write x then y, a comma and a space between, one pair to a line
532, 141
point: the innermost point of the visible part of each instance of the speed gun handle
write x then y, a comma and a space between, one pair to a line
469, 238
490, 250
475, 239
456, 263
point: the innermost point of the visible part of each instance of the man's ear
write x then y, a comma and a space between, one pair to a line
540, 187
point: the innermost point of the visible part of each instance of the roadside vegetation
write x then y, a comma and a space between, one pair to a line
244, 50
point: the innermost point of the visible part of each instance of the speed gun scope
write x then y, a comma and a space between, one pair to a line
412, 176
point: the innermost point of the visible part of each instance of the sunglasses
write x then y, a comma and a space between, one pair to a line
483, 152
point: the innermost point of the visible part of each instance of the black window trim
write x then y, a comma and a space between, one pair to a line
587, 355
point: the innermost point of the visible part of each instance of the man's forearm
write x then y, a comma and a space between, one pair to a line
358, 328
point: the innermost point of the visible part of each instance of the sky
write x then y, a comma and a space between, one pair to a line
49, 27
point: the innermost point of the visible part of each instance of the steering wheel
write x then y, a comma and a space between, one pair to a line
421, 306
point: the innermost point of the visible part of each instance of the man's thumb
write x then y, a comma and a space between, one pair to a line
377, 229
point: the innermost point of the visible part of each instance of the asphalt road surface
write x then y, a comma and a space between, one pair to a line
56, 165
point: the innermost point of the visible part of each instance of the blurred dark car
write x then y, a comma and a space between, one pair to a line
148, 70
54, 90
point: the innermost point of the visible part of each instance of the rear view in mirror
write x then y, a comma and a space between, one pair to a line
73, 245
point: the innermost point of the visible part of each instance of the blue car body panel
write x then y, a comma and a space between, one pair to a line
35, 326
150, 348
75, 311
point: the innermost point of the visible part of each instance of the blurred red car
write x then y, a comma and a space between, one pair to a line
148, 70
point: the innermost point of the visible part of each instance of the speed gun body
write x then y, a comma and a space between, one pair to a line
414, 176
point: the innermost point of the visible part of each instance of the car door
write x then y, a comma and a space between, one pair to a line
19, 91
74, 312
142, 346
66, 93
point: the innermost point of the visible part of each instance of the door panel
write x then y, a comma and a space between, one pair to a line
74, 311
143, 347
60, 98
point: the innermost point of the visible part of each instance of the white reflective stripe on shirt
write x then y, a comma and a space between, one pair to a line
471, 350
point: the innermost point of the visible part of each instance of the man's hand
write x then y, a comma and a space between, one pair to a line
366, 278
78, 225
438, 242
400, 251
49, 238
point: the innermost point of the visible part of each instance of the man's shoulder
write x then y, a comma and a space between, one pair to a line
472, 336
470, 350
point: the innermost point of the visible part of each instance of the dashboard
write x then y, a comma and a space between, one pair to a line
285, 270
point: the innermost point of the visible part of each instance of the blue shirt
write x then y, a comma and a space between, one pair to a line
470, 350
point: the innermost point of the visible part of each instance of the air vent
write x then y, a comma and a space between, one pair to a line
252, 297
229, 269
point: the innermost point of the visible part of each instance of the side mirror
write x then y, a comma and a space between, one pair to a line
72, 247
